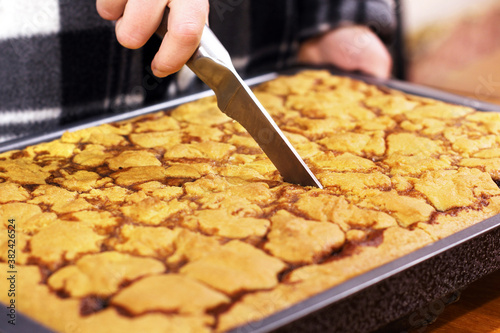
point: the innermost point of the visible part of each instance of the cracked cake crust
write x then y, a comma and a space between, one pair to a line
177, 221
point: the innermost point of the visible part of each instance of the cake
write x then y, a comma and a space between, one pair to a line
177, 222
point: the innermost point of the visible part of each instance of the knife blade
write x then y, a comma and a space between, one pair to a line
212, 64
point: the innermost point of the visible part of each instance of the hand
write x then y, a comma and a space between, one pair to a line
350, 48
138, 20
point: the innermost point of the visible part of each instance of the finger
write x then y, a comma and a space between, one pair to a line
374, 57
379, 64
110, 9
185, 26
349, 48
140, 20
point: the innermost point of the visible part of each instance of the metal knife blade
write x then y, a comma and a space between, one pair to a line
212, 64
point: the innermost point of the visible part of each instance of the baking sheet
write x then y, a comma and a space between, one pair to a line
398, 296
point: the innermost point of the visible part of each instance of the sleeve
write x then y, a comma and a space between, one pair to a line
60, 63
318, 16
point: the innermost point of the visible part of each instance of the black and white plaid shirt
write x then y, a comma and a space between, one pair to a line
60, 62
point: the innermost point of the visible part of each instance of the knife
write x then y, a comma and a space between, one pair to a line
212, 64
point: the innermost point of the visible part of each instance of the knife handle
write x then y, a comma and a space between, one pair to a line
209, 48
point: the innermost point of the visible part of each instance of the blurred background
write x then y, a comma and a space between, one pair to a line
455, 46
452, 45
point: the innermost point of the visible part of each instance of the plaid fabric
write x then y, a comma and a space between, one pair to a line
60, 62
274, 29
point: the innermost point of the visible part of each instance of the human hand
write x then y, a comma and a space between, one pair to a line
138, 20
350, 48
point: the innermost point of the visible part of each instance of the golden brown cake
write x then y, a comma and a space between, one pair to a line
177, 222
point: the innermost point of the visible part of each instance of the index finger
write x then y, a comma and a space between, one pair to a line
186, 21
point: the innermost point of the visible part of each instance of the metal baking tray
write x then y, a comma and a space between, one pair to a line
400, 296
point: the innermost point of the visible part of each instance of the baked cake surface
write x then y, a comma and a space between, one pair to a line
177, 222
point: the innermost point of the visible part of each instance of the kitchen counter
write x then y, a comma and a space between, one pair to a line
477, 310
